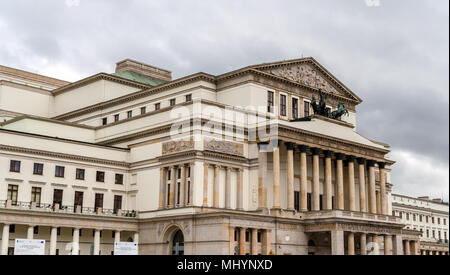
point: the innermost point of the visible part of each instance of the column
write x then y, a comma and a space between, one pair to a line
340, 181
172, 187
30, 232
192, 180
242, 241
406, 248
387, 245
362, 185
228, 189
216, 201
372, 194
413, 246
254, 241
384, 209
53, 240
117, 236
363, 244
76, 241
316, 180
351, 183
337, 242
162, 188
266, 242
183, 186
351, 243
5, 240
378, 196
240, 189
136, 237
328, 190
376, 246
232, 243
290, 163
205, 184
262, 168
97, 242
276, 176
303, 179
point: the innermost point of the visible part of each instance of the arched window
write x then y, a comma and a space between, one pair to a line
178, 243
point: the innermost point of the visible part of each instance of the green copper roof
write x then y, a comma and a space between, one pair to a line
140, 78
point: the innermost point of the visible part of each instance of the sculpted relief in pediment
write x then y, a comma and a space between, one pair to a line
305, 75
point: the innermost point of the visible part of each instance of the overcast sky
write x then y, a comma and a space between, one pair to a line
394, 55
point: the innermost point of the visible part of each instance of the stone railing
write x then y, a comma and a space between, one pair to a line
61, 209
349, 214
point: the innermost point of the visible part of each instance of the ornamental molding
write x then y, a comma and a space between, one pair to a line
225, 147
177, 146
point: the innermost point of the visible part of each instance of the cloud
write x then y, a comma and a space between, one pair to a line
395, 56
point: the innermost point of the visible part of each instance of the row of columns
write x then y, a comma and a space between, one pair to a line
369, 244
254, 249
168, 196
216, 186
433, 252
54, 239
328, 190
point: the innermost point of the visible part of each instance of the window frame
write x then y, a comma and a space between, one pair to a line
283, 105
173, 102
38, 169
270, 101
59, 169
14, 166
306, 108
100, 176
157, 106
143, 110
129, 114
189, 98
13, 193
121, 177
104, 121
78, 172
36, 195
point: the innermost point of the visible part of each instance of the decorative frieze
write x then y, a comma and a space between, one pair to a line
177, 146
225, 147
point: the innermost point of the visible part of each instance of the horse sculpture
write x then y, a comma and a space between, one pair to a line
339, 112
322, 110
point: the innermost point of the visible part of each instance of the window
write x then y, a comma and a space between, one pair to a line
117, 203
188, 98
119, 179
188, 175
414, 217
445, 221
100, 177
178, 193
78, 200
297, 200
428, 233
179, 174
168, 195
427, 218
157, 106
173, 102
439, 220
270, 102
143, 110
38, 169
14, 166
12, 228
79, 174
432, 220
294, 108
420, 218
104, 121
57, 197
309, 200
36, 230
36, 195
283, 105
116, 118
13, 191
307, 107
189, 192
59, 172
169, 175
407, 216
98, 201
129, 114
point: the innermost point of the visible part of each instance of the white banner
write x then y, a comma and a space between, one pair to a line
122, 248
29, 247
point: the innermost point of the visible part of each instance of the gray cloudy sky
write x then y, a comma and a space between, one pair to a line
394, 56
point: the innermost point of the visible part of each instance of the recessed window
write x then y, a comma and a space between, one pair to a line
117, 203
143, 110
79, 174
14, 166
38, 169
13, 191
173, 102
36, 195
104, 121
98, 201
157, 106
116, 118
283, 105
307, 107
119, 179
36, 230
189, 98
100, 177
59, 171
129, 114
270, 102
294, 108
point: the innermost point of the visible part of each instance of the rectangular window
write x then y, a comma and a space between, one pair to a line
129, 114
168, 195
309, 202
98, 201
36, 195
294, 108
178, 193
36, 230
117, 203
439, 220
270, 101
297, 200
157, 106
119, 179
78, 199
169, 175
12, 228
59, 171
143, 110
116, 118
14, 166
104, 121
283, 99
58, 197
188, 175
188, 98
100, 177
173, 102
179, 174
188, 191
79, 174
307, 107
13, 191
38, 169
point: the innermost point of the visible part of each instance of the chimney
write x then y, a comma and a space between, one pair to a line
129, 65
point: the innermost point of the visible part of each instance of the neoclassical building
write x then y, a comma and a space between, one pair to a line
429, 216
238, 163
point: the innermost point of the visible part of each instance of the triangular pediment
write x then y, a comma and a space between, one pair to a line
308, 72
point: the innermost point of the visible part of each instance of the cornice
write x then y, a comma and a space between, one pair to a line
429, 210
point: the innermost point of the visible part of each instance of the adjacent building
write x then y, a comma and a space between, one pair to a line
238, 163
429, 216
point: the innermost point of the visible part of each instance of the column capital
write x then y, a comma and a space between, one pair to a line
340, 156
351, 158
371, 163
361, 161
381, 165
276, 143
328, 154
316, 151
290, 146
303, 148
